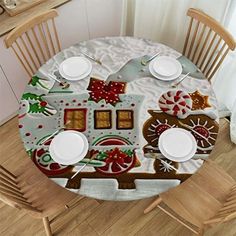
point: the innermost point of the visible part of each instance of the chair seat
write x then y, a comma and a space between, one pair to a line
49, 198
207, 196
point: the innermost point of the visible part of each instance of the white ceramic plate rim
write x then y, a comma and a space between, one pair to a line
172, 158
77, 61
175, 63
74, 160
75, 78
164, 78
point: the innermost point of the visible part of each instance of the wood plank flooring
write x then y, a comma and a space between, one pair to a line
95, 218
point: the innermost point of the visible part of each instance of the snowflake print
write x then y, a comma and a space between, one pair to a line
164, 167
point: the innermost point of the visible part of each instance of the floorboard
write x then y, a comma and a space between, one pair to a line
95, 218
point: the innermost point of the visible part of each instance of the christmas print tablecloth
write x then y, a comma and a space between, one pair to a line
122, 109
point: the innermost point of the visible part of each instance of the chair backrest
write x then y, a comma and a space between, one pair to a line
207, 42
227, 211
35, 41
11, 193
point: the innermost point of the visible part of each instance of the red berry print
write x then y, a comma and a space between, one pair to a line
54, 166
43, 104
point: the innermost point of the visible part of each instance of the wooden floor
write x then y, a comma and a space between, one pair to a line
92, 218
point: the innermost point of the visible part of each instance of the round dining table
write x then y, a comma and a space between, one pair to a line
119, 110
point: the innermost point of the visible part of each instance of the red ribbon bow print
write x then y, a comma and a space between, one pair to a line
109, 92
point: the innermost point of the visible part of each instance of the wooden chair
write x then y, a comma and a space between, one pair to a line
30, 190
207, 42
35, 41
205, 199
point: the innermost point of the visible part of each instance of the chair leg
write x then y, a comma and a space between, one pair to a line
47, 226
153, 205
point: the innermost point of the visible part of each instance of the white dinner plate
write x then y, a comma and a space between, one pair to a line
177, 144
75, 68
68, 147
165, 68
